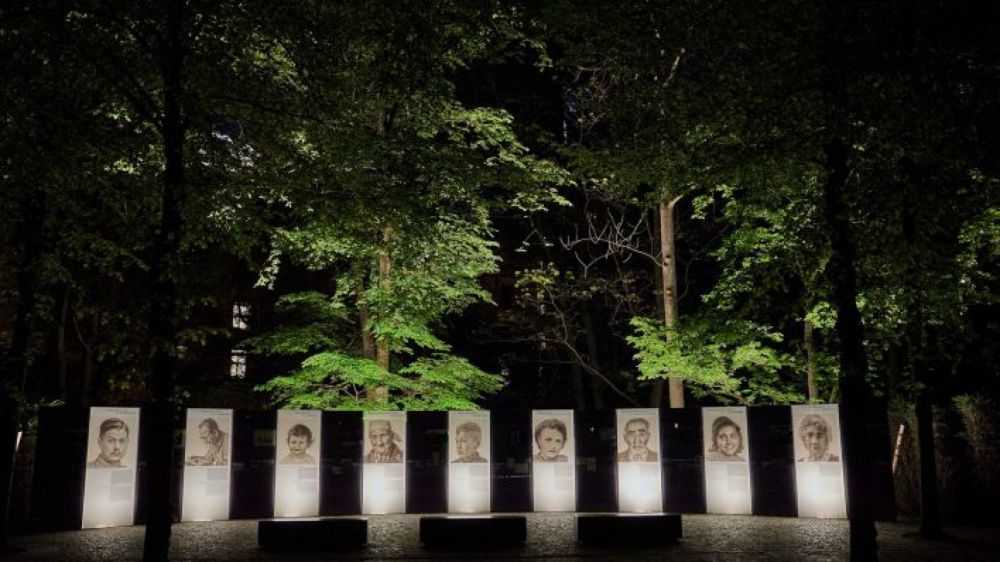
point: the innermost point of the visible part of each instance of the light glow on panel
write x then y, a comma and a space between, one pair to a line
112, 454
638, 459
819, 467
297, 463
553, 460
384, 471
725, 434
469, 457
207, 460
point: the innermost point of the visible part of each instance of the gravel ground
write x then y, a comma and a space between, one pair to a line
550, 536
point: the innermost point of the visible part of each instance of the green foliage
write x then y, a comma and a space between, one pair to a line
391, 197
731, 360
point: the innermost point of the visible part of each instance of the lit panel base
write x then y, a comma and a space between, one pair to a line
625, 530
483, 531
311, 533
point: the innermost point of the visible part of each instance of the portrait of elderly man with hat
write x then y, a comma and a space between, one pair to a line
383, 441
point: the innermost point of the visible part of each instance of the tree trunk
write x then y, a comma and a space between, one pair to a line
367, 341
807, 342
855, 394
579, 396
87, 377
659, 385
59, 344
596, 385
381, 393
893, 368
916, 344
668, 264
163, 306
930, 519
14, 367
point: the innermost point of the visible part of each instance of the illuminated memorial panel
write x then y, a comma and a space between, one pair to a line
109, 484
553, 460
819, 469
297, 455
207, 444
469, 462
384, 471
727, 460
640, 479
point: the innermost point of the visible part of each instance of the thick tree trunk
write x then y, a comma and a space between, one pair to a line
808, 343
668, 261
367, 341
893, 368
163, 306
9, 414
930, 519
916, 343
14, 367
855, 394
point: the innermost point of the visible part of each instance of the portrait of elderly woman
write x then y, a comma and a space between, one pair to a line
300, 438
727, 441
383, 442
550, 438
468, 436
814, 432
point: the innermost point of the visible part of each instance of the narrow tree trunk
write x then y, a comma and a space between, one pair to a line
87, 376
669, 287
930, 519
59, 344
807, 343
658, 389
163, 306
855, 394
596, 385
579, 396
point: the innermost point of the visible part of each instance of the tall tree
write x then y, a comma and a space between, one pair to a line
396, 194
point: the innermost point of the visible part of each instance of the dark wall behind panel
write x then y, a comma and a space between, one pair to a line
340, 486
511, 462
427, 462
254, 440
772, 466
57, 493
684, 462
596, 479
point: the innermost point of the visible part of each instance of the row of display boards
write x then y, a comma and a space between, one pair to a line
112, 458
391, 461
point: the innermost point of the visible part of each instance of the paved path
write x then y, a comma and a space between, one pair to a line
550, 536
